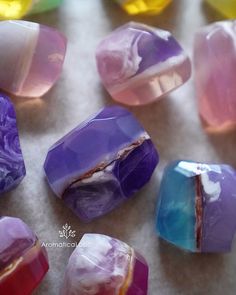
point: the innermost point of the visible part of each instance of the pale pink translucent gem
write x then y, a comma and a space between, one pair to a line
31, 57
215, 74
139, 64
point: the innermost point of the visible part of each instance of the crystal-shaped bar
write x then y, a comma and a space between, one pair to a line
215, 69
15, 9
23, 261
37, 53
101, 163
12, 167
101, 265
224, 7
139, 64
196, 206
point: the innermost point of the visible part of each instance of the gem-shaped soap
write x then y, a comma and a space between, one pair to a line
139, 64
12, 167
101, 163
23, 261
37, 53
144, 6
101, 265
225, 7
14, 9
197, 205
215, 69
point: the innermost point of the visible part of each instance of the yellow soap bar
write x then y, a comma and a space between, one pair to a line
144, 6
13, 9
225, 7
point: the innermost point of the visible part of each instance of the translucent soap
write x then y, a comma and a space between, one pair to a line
143, 6
225, 7
15, 9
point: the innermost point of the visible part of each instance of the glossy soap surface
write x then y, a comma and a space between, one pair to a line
225, 7
215, 69
139, 64
101, 265
13, 9
101, 163
23, 262
196, 207
144, 6
38, 57
12, 167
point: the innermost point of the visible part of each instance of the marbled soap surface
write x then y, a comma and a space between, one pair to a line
138, 64
173, 124
101, 265
12, 166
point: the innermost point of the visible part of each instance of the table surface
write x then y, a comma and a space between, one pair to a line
173, 124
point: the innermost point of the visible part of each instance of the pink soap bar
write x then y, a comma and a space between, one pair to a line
215, 72
139, 64
23, 261
31, 57
101, 265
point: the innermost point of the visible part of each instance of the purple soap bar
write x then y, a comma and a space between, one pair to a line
101, 163
12, 166
23, 261
101, 265
139, 64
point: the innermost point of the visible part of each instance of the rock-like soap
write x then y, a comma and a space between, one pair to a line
23, 261
15, 9
215, 70
101, 163
31, 58
101, 265
196, 206
224, 7
144, 6
12, 167
139, 64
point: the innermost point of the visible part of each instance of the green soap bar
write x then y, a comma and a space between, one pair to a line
44, 5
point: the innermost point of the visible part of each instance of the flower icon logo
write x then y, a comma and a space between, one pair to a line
67, 232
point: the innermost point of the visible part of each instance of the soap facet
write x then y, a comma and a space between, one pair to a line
196, 206
144, 6
101, 265
12, 167
37, 53
215, 70
23, 261
139, 64
101, 163
225, 7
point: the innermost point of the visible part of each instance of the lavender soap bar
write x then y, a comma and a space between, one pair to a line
139, 64
101, 163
